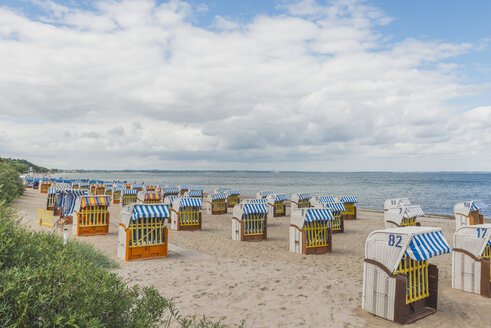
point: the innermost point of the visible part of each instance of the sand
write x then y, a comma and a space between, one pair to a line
207, 273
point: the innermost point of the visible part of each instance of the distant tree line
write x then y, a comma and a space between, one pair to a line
22, 166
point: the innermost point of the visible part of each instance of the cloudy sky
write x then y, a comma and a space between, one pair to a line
288, 85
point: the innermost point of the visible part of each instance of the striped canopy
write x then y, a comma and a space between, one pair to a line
152, 196
171, 186
477, 205
115, 189
413, 211
233, 192
84, 184
219, 196
45, 182
192, 202
254, 208
280, 197
69, 198
304, 196
129, 192
335, 207
266, 193
195, 193
426, 245
318, 214
349, 199
61, 184
196, 189
171, 190
95, 201
100, 185
220, 190
183, 187
255, 201
54, 190
150, 188
137, 186
150, 211
327, 199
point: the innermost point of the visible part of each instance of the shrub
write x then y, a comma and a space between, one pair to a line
11, 186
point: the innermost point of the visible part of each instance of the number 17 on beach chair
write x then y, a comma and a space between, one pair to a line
398, 282
470, 259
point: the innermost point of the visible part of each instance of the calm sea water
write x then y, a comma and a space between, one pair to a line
435, 192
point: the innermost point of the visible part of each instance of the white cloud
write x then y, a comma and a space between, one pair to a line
135, 84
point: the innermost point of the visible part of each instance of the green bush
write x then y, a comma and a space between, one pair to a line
11, 186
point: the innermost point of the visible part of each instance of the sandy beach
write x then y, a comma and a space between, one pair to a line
207, 273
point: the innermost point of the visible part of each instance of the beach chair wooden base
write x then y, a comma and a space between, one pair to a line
350, 216
233, 203
50, 208
146, 252
485, 274
317, 250
115, 201
57, 212
408, 313
218, 212
94, 230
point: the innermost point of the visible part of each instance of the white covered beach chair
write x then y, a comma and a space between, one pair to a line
276, 204
310, 231
470, 259
403, 216
216, 203
300, 200
398, 282
467, 213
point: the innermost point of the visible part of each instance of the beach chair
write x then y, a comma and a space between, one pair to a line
52, 198
45, 185
76, 185
69, 197
109, 190
186, 214
170, 191
467, 213
117, 194
336, 208
263, 194
151, 188
91, 215
310, 231
84, 186
233, 198
35, 183
149, 197
349, 205
194, 194
183, 189
276, 205
403, 216
470, 259
398, 282
100, 189
396, 203
249, 222
137, 186
216, 203
29, 182
300, 200
142, 233
128, 196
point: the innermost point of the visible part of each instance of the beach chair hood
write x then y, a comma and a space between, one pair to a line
419, 243
136, 211
304, 215
398, 214
473, 239
469, 206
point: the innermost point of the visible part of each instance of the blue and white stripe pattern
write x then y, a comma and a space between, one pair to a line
335, 207
137, 186
254, 208
54, 190
218, 196
119, 188
266, 193
190, 202
195, 193
69, 199
221, 190
196, 189
256, 201
318, 214
171, 190
349, 199
171, 186
150, 211
477, 205
280, 197
84, 184
304, 196
183, 187
327, 199
233, 192
129, 191
426, 245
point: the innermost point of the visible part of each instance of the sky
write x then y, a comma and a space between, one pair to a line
348, 85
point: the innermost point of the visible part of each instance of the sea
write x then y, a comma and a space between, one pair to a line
437, 193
